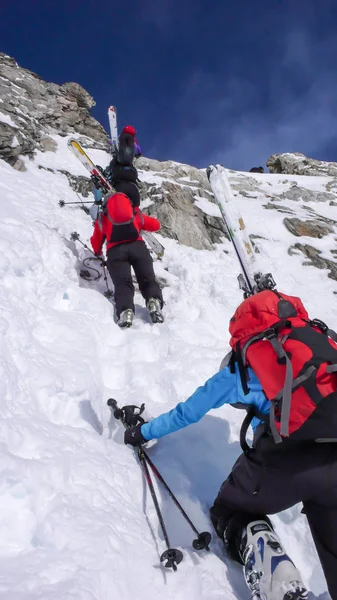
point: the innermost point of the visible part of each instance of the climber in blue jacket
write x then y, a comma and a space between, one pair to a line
223, 388
267, 478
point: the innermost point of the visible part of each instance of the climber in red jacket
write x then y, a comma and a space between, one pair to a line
120, 226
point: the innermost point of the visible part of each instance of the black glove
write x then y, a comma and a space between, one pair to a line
133, 435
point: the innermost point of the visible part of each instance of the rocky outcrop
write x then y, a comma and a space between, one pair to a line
181, 219
315, 259
299, 164
172, 194
301, 194
32, 109
81, 185
313, 228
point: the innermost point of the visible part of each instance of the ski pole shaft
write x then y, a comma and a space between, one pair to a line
204, 538
128, 415
149, 481
109, 293
75, 202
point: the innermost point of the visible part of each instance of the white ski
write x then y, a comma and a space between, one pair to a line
112, 114
252, 280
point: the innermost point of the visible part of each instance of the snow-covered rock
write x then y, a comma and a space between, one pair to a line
299, 164
31, 109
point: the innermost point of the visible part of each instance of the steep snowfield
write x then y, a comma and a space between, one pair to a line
77, 522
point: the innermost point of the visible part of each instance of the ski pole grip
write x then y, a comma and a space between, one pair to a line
117, 412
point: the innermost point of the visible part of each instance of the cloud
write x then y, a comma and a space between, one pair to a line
240, 123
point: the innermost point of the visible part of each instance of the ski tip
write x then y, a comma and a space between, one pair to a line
112, 109
209, 171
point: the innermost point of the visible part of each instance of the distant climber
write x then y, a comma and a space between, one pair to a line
256, 170
121, 173
119, 226
127, 139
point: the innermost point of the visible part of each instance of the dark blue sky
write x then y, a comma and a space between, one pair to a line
203, 81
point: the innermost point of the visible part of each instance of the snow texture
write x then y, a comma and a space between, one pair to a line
6, 119
77, 521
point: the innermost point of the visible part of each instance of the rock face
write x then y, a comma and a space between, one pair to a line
174, 193
298, 164
313, 228
315, 259
31, 109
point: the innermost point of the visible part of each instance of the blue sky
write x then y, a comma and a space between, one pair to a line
203, 81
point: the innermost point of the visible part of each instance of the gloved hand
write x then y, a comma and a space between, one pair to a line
133, 435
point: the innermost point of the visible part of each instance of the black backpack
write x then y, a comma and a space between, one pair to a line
126, 149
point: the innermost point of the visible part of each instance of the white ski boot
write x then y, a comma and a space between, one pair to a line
126, 318
153, 306
269, 572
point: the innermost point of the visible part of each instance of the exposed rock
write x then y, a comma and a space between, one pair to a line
181, 219
313, 228
79, 94
279, 208
32, 108
47, 144
315, 259
81, 185
300, 194
182, 174
299, 164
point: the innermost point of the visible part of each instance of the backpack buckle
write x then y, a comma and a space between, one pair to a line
320, 324
269, 334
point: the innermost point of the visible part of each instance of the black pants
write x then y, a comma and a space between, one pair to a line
261, 484
120, 260
130, 189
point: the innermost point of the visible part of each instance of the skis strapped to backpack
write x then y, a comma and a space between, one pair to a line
101, 182
112, 114
294, 358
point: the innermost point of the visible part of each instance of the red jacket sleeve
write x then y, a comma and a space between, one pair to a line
150, 223
97, 238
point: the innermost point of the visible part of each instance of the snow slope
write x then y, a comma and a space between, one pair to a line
77, 521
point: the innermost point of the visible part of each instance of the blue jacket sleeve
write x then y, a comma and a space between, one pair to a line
223, 388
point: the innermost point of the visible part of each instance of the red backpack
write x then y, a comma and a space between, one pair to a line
121, 215
295, 360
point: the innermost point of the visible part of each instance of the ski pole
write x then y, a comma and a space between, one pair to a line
62, 203
109, 293
203, 540
75, 237
129, 416
172, 556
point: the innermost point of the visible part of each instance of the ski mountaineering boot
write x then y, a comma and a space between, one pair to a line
153, 306
126, 318
269, 572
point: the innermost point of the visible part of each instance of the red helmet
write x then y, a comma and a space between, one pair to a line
129, 129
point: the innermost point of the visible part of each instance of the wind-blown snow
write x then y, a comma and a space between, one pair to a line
77, 521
